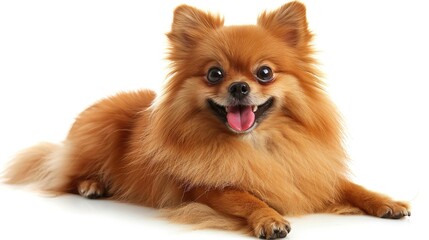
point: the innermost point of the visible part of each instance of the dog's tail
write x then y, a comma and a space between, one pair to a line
201, 216
40, 165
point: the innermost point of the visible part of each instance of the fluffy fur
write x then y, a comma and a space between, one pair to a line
171, 151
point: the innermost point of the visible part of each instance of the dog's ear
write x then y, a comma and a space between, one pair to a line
289, 23
190, 25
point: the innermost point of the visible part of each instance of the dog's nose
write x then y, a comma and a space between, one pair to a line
239, 90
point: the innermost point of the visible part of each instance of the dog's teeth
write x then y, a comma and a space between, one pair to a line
227, 109
255, 108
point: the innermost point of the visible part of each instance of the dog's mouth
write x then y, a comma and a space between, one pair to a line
241, 118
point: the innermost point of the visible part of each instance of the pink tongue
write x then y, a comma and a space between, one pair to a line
240, 118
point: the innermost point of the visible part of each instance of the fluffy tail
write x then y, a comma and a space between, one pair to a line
39, 165
201, 216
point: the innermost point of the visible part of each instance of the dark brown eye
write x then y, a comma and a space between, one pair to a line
215, 75
264, 74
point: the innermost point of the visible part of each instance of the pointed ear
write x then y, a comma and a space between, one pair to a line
190, 25
289, 23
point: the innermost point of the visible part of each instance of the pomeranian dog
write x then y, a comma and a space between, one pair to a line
241, 134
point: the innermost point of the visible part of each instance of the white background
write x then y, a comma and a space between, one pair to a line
58, 57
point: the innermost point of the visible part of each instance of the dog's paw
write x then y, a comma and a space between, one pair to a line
393, 210
387, 208
268, 224
90, 189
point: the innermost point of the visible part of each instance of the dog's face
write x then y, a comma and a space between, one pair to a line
240, 78
238, 75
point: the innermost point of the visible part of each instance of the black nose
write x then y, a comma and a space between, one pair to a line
239, 90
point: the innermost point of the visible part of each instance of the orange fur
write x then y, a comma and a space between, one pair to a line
172, 152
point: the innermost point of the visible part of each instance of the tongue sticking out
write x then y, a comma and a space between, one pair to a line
240, 118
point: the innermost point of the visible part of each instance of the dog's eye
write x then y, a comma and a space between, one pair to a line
214, 75
264, 74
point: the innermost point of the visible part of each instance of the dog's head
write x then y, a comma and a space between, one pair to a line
238, 77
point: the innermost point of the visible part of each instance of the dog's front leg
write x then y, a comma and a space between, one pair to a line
373, 203
264, 221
